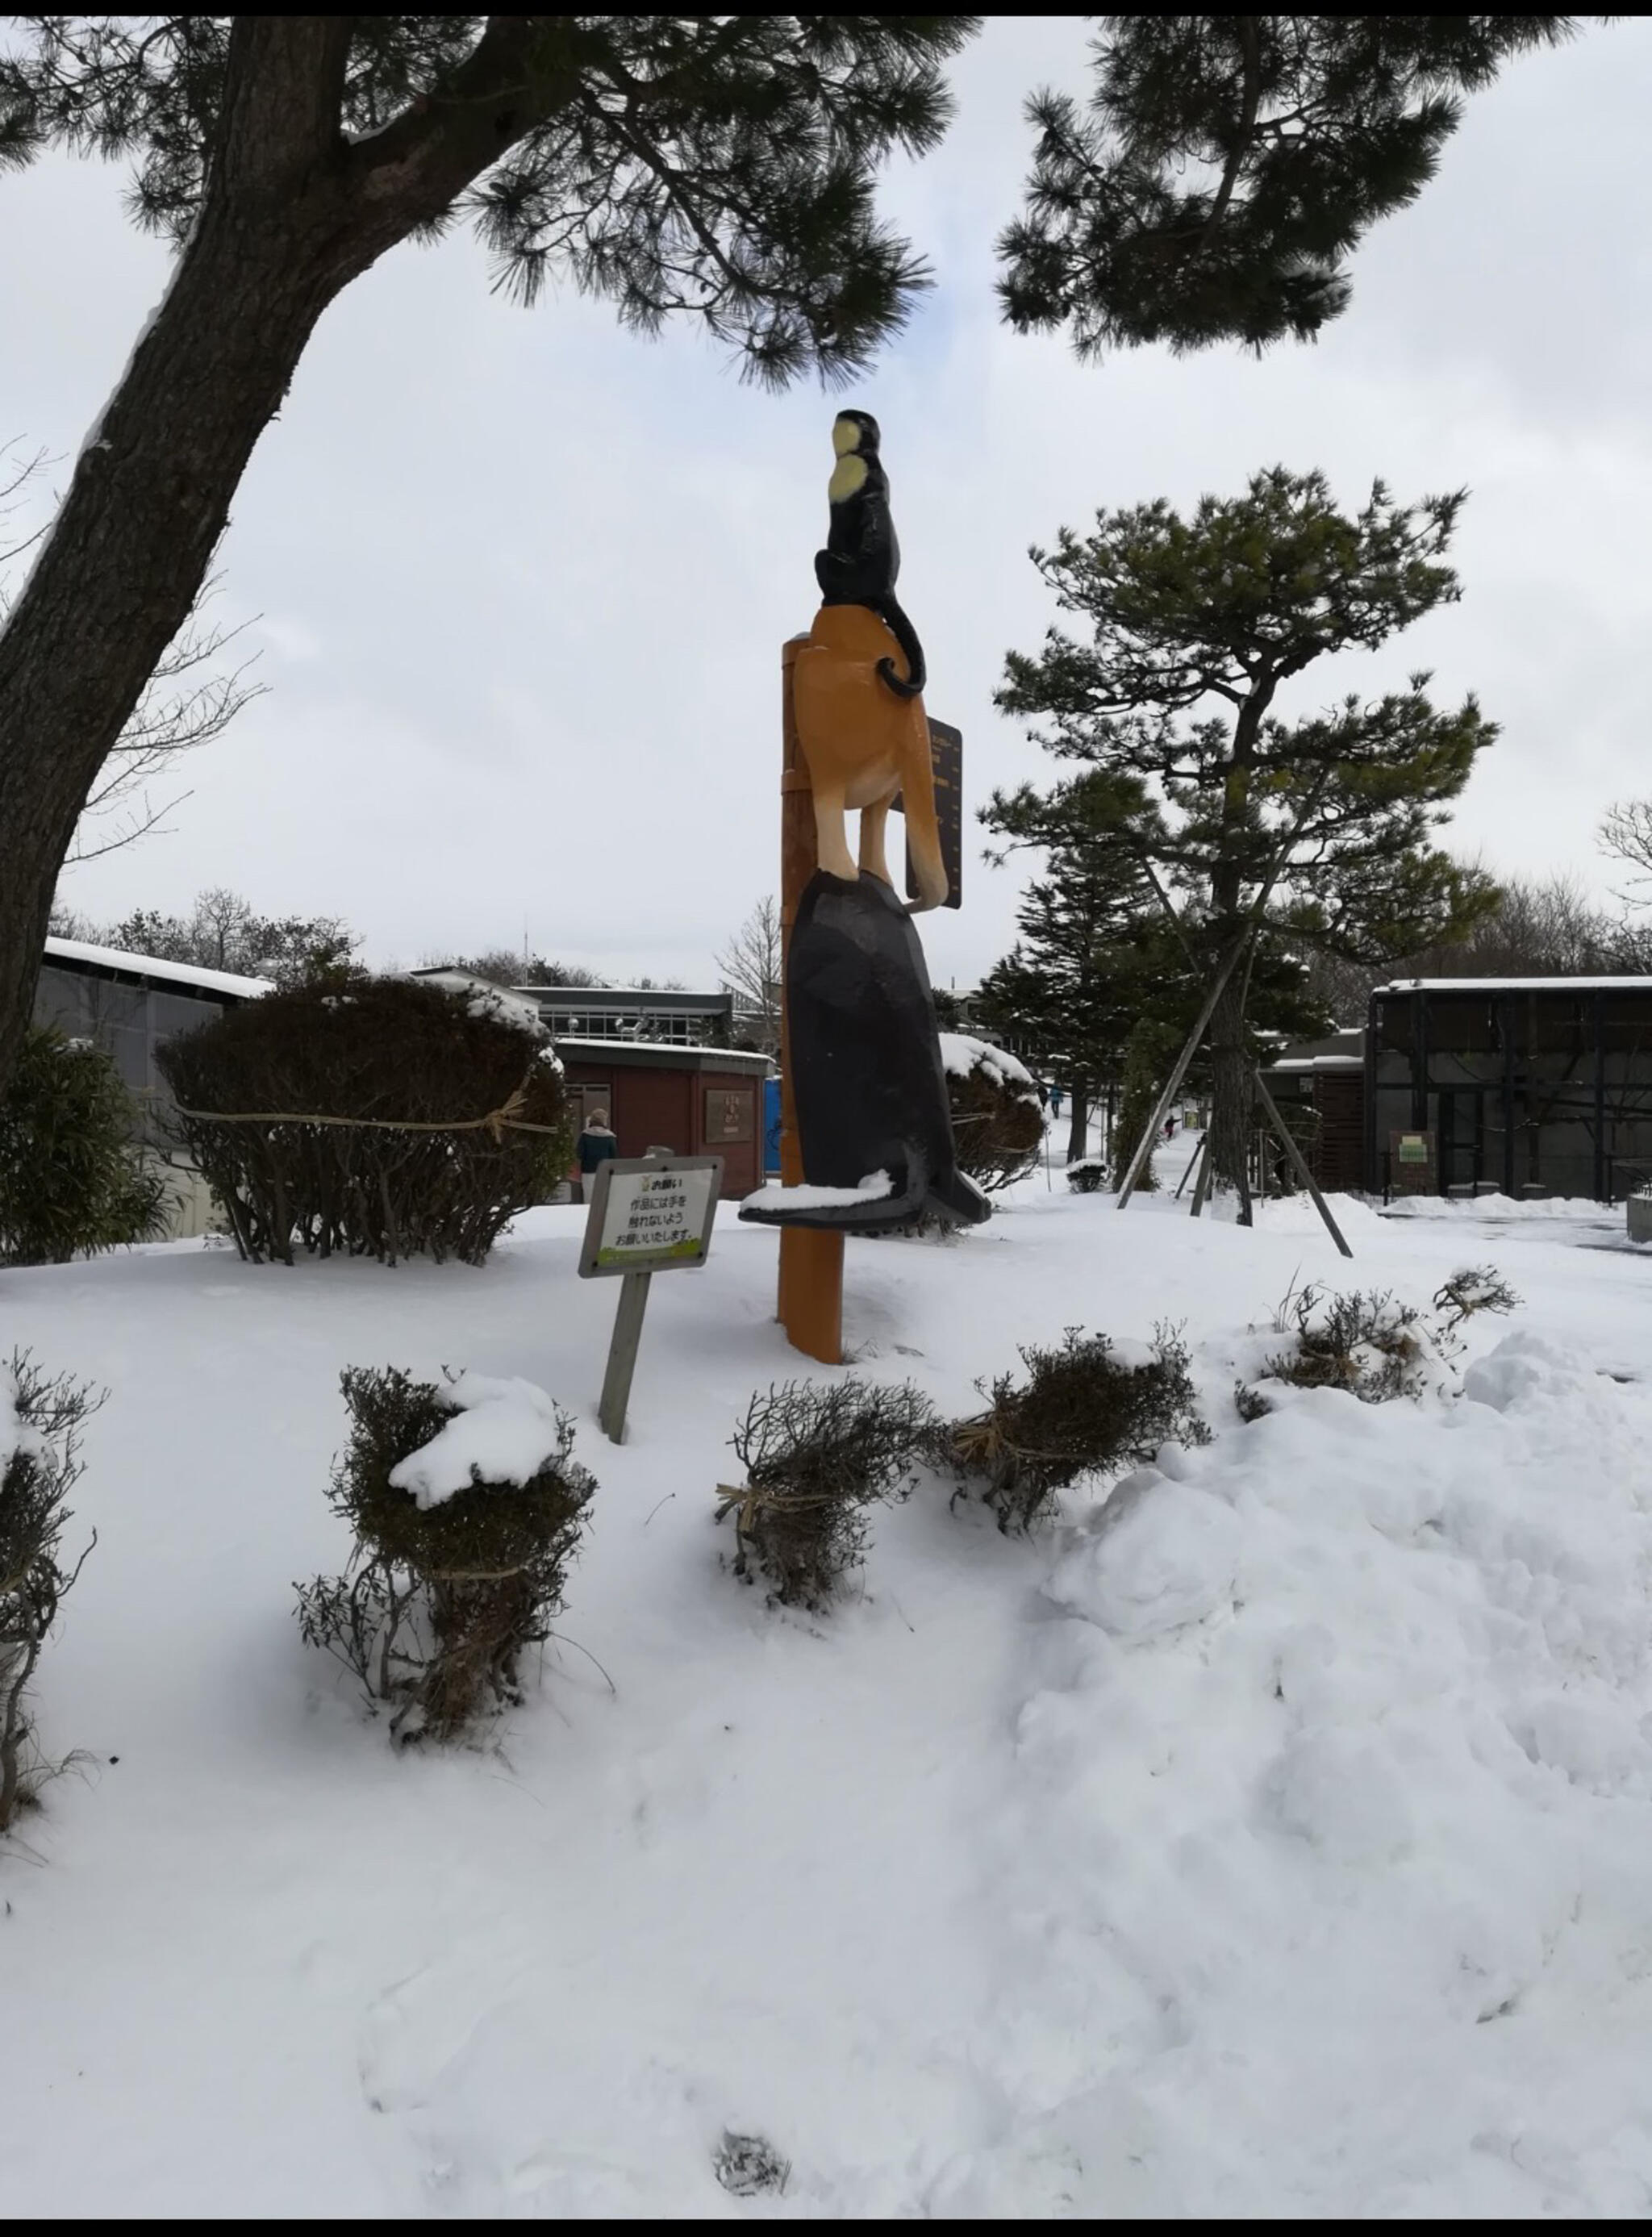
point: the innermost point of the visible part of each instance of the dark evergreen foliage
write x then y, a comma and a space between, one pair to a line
1226, 168
72, 1175
1079, 1413
439, 1603
717, 165
348, 1046
1086, 1176
40, 1417
816, 1456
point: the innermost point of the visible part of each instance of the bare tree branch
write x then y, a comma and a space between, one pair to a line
749, 969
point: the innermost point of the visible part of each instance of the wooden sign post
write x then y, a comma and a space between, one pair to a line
811, 1289
647, 1216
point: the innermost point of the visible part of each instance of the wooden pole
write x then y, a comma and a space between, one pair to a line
1300, 1164
622, 1355
811, 1288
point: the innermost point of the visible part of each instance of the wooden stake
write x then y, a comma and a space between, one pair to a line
811, 1283
622, 1355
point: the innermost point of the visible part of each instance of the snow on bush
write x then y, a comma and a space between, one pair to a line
1373, 1344
467, 1507
1086, 1175
998, 1123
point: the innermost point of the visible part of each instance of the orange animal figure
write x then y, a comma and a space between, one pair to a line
860, 720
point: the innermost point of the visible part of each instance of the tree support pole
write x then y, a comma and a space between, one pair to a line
1178, 1070
1300, 1164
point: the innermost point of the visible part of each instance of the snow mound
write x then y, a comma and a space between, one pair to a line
1161, 1555
505, 1432
962, 1054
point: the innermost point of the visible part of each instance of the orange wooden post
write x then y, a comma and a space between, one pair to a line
811, 1293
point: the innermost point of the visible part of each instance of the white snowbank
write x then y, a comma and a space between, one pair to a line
962, 1054
873, 1188
1500, 1207
1267, 1840
505, 1434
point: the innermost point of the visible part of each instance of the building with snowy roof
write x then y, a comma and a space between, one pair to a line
128, 1004
1533, 1088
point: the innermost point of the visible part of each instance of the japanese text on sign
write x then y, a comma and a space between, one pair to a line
651, 1215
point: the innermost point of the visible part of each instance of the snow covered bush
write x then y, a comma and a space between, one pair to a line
1086, 1175
72, 1175
1473, 1289
372, 1115
816, 1455
1371, 1343
998, 1123
467, 1507
1082, 1411
40, 1424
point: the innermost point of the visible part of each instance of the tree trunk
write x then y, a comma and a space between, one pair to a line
1078, 1127
292, 214
1230, 1095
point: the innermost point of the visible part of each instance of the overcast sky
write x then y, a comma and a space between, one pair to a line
522, 579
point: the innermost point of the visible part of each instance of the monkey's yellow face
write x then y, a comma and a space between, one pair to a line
847, 477
845, 434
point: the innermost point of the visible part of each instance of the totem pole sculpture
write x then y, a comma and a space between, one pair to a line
862, 1058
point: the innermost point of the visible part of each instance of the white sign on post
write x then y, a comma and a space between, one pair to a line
647, 1215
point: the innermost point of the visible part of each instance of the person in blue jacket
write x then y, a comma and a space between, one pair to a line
596, 1144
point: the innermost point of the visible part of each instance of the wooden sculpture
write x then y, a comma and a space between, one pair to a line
859, 681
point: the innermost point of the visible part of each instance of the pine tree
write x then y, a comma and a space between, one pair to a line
1228, 166
1100, 984
719, 166
1302, 835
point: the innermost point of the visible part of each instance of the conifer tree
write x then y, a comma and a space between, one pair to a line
1307, 832
1226, 167
1099, 977
719, 167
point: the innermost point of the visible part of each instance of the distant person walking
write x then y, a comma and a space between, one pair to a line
596, 1144
1054, 1101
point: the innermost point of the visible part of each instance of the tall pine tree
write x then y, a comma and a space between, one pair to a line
1294, 834
721, 167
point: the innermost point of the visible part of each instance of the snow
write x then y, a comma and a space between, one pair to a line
1267, 1840
1577, 983
154, 967
962, 1054
589, 1045
505, 1432
807, 1196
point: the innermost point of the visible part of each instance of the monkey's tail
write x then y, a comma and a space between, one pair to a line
912, 683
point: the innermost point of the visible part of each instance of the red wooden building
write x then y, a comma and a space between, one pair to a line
659, 1095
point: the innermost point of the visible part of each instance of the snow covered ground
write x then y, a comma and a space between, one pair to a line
1274, 1840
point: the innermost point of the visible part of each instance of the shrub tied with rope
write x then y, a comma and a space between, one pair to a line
998, 1123
441, 1599
1080, 1412
384, 1116
40, 1417
816, 1456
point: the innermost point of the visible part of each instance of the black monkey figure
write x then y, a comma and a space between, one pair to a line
862, 557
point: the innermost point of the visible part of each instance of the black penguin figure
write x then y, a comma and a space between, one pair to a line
862, 557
